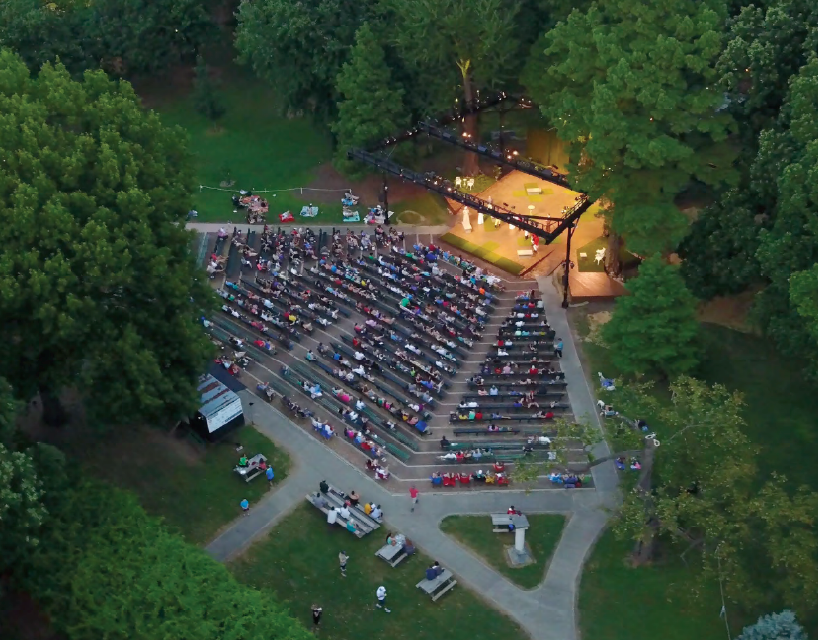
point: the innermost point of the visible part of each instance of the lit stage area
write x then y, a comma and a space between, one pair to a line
503, 245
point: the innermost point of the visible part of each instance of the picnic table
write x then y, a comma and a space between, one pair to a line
440, 585
253, 468
392, 554
501, 522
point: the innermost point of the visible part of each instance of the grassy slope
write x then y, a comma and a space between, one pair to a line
261, 149
476, 533
196, 495
299, 562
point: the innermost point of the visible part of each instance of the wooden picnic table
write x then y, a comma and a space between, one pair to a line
253, 468
392, 554
440, 585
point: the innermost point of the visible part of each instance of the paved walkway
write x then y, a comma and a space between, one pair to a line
547, 612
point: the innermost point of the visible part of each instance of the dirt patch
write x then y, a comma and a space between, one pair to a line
730, 311
159, 90
595, 323
369, 189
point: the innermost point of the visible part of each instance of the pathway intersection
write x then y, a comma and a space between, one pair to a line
548, 612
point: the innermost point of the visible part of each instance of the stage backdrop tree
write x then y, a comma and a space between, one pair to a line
372, 107
654, 329
458, 42
300, 46
98, 288
631, 85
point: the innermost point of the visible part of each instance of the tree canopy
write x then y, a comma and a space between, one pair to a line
775, 626
98, 289
632, 87
300, 46
654, 329
123, 37
372, 108
123, 575
701, 491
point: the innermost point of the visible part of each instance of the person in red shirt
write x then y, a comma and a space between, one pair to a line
413, 493
533, 371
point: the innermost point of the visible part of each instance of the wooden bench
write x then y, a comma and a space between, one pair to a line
335, 496
437, 587
311, 498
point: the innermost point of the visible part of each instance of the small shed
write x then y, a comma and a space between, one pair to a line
221, 411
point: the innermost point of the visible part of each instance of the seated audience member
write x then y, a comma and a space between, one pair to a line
354, 498
434, 571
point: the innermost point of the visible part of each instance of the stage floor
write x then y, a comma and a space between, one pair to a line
501, 243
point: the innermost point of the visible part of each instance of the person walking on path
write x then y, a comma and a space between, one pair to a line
558, 348
381, 595
343, 558
245, 506
270, 475
413, 493
316, 617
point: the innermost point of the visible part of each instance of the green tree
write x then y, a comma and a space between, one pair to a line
654, 328
21, 509
451, 43
205, 98
790, 245
632, 87
699, 489
765, 47
98, 289
776, 626
123, 575
720, 250
371, 108
300, 46
122, 36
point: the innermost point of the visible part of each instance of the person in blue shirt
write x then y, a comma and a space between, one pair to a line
434, 571
245, 506
270, 475
558, 348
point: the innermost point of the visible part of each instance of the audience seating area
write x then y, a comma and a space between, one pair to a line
385, 351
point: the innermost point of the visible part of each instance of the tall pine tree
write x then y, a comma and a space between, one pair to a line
372, 108
654, 329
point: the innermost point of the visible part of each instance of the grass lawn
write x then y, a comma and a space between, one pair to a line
781, 407
428, 209
196, 494
298, 561
589, 262
476, 533
256, 147
483, 252
618, 602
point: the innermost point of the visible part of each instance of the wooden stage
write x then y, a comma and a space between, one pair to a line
593, 286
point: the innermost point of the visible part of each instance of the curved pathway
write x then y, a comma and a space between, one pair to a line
548, 612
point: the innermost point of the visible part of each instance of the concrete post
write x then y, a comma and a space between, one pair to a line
519, 540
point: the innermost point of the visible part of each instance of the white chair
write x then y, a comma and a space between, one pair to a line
458, 182
470, 183
600, 255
